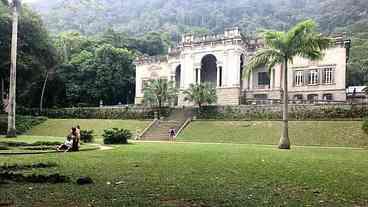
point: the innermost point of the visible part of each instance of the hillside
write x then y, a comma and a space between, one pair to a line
174, 17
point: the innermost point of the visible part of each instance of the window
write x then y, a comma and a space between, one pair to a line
197, 75
220, 76
299, 78
313, 77
298, 97
260, 96
327, 76
327, 97
263, 78
312, 97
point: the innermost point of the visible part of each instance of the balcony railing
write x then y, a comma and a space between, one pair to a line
245, 101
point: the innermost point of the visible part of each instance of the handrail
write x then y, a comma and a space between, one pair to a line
186, 123
148, 128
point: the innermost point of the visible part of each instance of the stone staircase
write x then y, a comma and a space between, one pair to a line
159, 131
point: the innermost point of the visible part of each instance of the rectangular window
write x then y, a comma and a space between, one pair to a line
197, 75
328, 76
313, 77
327, 97
299, 78
220, 76
263, 78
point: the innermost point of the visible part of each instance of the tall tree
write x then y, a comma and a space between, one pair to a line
159, 92
15, 6
281, 48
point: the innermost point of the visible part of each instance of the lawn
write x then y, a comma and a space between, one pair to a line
302, 133
158, 174
61, 127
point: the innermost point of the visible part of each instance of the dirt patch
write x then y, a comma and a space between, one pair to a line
34, 178
24, 144
17, 167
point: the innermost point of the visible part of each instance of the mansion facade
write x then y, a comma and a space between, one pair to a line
220, 59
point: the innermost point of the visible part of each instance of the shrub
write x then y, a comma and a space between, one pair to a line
86, 136
365, 126
23, 123
95, 113
116, 136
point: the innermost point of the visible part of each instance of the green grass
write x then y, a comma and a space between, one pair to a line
61, 127
154, 174
34, 139
303, 133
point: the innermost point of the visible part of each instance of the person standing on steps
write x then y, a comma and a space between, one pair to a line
172, 134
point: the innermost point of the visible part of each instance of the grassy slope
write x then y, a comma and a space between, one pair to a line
61, 127
211, 175
312, 133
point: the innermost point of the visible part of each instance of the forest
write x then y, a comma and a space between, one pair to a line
85, 48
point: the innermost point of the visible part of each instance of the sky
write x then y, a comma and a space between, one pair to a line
28, 1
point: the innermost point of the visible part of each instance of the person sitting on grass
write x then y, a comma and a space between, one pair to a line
68, 144
75, 137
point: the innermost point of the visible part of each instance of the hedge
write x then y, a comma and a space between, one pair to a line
95, 113
297, 112
22, 123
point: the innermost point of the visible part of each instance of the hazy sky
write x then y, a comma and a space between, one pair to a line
27, 1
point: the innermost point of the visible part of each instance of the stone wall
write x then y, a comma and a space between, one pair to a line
228, 96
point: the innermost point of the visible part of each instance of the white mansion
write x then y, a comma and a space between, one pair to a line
220, 59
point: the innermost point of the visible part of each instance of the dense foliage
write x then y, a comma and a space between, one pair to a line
116, 136
23, 123
87, 136
201, 94
297, 113
174, 17
36, 54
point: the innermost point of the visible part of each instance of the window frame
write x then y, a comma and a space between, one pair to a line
299, 78
267, 83
328, 76
313, 77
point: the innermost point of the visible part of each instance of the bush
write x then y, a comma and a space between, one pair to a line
86, 136
95, 113
23, 123
116, 136
365, 126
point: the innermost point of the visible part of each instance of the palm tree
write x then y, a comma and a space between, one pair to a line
15, 6
159, 92
200, 94
280, 49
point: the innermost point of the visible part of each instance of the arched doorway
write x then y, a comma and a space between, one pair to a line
209, 69
178, 76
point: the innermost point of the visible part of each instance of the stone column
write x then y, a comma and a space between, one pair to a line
199, 75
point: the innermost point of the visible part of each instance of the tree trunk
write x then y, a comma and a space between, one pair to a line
159, 108
285, 141
13, 74
43, 91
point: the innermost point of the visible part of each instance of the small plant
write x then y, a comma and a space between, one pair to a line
116, 136
86, 136
365, 126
